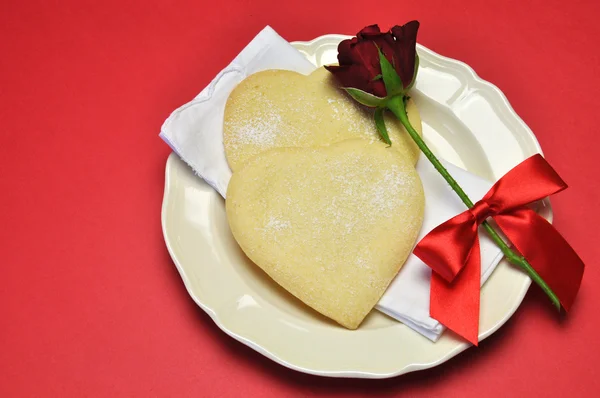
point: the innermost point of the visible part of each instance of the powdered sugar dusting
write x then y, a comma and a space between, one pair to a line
345, 111
337, 209
289, 113
276, 224
258, 131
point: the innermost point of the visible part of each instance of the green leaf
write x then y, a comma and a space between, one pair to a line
414, 79
393, 84
380, 123
379, 76
365, 98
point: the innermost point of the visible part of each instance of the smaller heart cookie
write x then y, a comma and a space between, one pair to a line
332, 225
280, 108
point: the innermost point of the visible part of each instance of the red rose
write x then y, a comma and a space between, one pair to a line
359, 65
377, 69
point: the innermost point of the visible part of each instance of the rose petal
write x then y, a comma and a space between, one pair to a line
357, 76
405, 50
368, 31
365, 54
345, 51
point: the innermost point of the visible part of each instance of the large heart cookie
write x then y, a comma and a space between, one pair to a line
278, 108
332, 225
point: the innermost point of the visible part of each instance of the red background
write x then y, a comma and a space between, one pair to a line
90, 302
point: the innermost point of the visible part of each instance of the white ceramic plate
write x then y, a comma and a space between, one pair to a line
467, 121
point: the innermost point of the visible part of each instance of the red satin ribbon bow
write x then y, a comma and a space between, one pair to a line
452, 248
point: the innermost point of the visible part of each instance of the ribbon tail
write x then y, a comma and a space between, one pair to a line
456, 304
546, 250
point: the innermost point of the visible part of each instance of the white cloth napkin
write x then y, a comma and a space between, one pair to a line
195, 132
407, 297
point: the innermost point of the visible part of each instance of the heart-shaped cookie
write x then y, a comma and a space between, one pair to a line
332, 225
279, 108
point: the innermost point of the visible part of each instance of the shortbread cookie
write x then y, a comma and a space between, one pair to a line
332, 225
279, 108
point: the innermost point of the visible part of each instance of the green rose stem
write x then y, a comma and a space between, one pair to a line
396, 105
